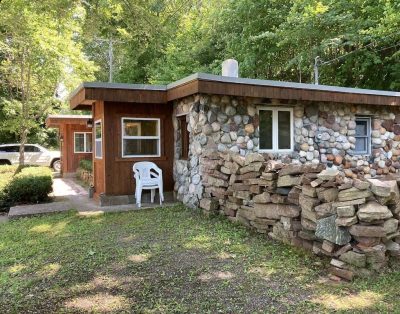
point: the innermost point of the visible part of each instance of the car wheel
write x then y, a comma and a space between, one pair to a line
57, 165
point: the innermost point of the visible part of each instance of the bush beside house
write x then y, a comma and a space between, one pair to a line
6, 175
85, 171
30, 185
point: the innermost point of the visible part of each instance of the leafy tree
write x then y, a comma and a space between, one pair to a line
39, 53
356, 40
139, 31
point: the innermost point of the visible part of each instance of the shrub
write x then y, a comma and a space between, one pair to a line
6, 174
31, 185
8, 169
86, 164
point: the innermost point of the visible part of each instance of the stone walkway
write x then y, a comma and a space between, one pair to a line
68, 194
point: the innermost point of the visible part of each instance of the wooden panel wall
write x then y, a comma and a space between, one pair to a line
98, 164
118, 170
246, 90
70, 160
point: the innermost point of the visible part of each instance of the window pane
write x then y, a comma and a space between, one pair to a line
98, 130
79, 142
30, 149
10, 149
88, 142
361, 145
284, 126
265, 129
140, 147
361, 128
98, 149
140, 127
184, 137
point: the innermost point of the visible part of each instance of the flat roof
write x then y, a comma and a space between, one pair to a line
55, 120
69, 116
258, 82
89, 92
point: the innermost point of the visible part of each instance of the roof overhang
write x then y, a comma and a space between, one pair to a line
85, 95
54, 121
88, 93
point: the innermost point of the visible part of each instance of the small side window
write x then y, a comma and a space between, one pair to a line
83, 142
184, 153
363, 136
98, 132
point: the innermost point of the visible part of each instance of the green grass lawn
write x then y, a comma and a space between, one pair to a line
168, 260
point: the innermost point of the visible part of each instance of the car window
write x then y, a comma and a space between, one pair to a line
31, 149
9, 149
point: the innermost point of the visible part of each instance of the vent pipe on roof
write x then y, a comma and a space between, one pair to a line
230, 68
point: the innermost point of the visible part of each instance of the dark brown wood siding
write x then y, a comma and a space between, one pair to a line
70, 159
84, 97
246, 90
98, 163
118, 170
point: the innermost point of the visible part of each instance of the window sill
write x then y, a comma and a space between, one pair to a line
360, 154
267, 151
130, 159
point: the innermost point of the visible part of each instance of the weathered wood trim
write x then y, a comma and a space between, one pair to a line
85, 97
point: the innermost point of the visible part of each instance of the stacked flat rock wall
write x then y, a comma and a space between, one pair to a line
354, 221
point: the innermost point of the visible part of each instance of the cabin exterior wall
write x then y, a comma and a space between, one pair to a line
320, 133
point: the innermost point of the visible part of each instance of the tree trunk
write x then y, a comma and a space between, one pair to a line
24, 139
25, 95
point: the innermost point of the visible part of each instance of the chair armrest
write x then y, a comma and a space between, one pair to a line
158, 170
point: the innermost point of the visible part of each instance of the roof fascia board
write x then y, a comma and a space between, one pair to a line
172, 90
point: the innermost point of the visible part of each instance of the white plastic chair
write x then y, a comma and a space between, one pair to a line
148, 177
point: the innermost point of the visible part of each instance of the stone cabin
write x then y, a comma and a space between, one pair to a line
310, 165
355, 130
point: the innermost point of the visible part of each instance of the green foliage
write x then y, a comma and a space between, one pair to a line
40, 58
8, 169
106, 263
139, 30
357, 40
6, 174
47, 47
30, 185
86, 164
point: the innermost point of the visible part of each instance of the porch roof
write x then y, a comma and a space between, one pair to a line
54, 121
87, 93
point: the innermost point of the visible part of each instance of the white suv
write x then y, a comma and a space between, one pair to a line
34, 155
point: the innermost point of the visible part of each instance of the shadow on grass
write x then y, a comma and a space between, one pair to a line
165, 260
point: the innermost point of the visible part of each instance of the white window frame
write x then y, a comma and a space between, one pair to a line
368, 136
275, 129
98, 139
85, 151
127, 137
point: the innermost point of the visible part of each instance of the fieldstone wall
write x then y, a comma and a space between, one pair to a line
354, 221
336, 138
323, 133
